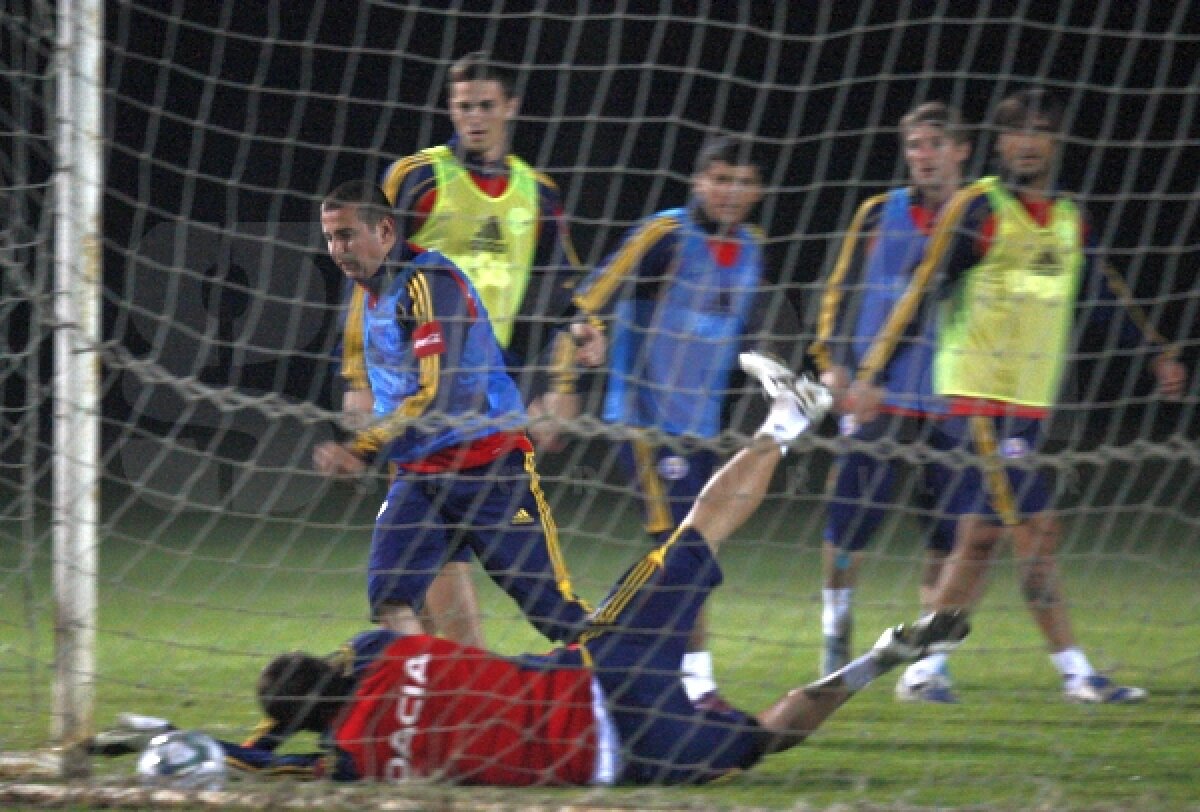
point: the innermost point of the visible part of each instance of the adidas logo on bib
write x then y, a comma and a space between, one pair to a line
522, 517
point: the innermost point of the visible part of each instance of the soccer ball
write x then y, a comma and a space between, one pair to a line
182, 759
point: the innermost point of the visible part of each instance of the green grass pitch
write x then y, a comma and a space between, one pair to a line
187, 620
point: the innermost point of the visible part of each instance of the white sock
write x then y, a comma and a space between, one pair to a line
785, 422
923, 669
859, 673
836, 610
1072, 663
698, 677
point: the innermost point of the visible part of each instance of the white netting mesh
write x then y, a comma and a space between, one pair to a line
226, 123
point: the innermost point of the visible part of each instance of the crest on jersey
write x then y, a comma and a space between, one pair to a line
673, 467
488, 238
1014, 448
520, 220
1047, 264
847, 425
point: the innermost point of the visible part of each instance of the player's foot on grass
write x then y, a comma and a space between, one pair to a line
1099, 689
836, 653
934, 688
938, 631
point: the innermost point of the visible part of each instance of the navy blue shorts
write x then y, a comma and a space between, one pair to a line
499, 513
668, 481
864, 483
1000, 485
636, 641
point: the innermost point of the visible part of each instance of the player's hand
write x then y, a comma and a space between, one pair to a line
837, 381
546, 433
1171, 376
333, 459
862, 401
591, 346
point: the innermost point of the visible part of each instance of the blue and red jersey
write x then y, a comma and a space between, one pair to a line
681, 297
963, 237
439, 382
885, 243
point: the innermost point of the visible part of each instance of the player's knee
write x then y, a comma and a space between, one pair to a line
1046, 530
399, 617
1039, 585
981, 546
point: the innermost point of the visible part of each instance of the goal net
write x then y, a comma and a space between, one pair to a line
224, 126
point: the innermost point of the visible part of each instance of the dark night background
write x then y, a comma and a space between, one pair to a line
227, 121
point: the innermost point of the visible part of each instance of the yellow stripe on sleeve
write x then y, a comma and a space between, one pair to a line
354, 364
430, 367
831, 299
265, 727
594, 299
429, 371
1116, 283
902, 314
399, 170
563, 373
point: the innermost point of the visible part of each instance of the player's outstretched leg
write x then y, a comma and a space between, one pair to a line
736, 490
800, 712
776, 379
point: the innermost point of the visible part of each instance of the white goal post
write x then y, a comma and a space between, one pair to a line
171, 322
79, 190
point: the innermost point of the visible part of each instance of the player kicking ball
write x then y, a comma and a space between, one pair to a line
610, 708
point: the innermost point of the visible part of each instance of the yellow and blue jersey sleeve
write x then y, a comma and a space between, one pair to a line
353, 366
951, 230
431, 348
645, 256
828, 348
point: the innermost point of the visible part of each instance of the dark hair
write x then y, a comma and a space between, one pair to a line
1022, 110
373, 204
302, 692
478, 66
935, 114
728, 150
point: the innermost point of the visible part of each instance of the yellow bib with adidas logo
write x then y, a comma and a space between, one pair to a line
491, 238
1003, 334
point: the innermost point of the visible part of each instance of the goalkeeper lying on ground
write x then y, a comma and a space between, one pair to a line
610, 708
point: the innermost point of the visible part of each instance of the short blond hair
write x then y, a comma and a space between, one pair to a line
935, 114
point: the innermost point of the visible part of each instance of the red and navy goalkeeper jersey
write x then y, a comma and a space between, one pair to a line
440, 710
